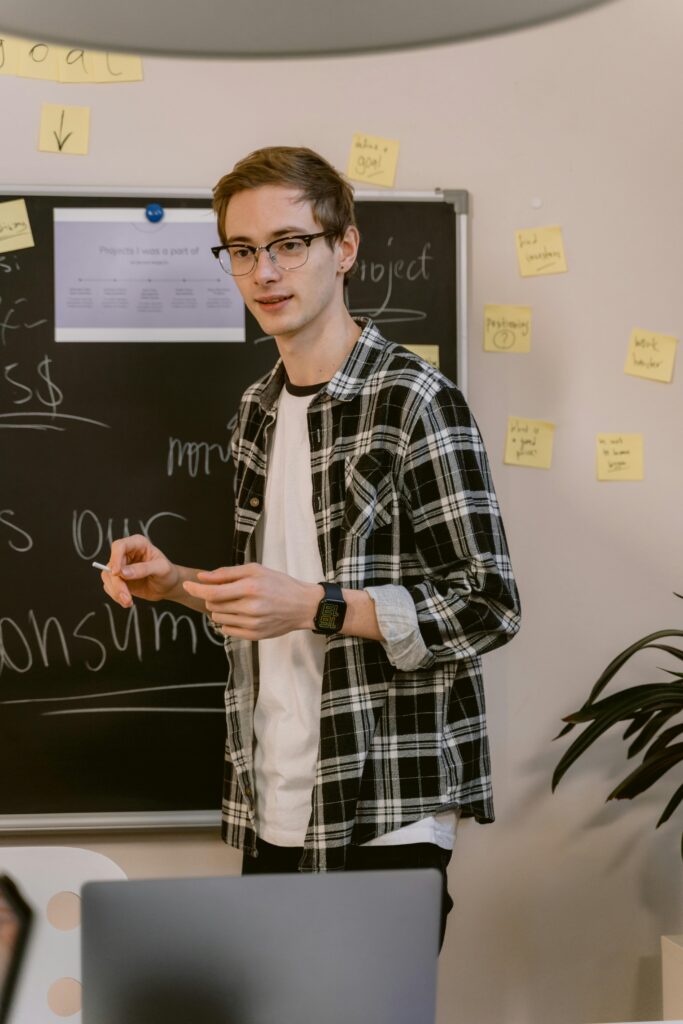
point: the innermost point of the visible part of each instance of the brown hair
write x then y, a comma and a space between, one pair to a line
330, 195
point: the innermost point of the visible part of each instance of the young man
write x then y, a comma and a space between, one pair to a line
370, 569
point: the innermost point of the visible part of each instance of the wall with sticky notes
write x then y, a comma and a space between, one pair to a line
566, 137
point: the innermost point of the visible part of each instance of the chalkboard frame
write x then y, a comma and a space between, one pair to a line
210, 819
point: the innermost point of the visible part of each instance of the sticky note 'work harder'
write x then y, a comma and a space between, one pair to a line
651, 355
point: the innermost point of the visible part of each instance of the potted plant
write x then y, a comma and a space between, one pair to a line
650, 710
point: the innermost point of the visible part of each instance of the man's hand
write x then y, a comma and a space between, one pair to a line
255, 603
138, 569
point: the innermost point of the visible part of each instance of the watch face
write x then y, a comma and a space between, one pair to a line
328, 615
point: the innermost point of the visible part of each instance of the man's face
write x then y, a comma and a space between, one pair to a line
285, 302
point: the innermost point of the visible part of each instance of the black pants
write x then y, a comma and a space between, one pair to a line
276, 860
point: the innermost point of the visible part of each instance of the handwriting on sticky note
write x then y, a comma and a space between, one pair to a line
373, 160
430, 353
37, 60
30, 59
9, 55
620, 456
78, 65
507, 328
15, 228
651, 355
64, 129
529, 443
540, 251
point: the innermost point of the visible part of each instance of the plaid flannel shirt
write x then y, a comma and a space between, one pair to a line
402, 497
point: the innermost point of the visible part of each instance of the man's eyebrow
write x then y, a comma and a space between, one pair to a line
280, 233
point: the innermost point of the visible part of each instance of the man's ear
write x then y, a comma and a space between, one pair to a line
348, 248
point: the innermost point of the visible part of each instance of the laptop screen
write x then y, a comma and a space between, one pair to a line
328, 948
15, 920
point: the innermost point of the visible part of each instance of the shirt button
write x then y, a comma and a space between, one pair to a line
255, 502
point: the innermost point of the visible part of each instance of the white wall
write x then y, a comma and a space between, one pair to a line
560, 904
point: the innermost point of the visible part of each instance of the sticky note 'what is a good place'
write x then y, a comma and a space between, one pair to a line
529, 443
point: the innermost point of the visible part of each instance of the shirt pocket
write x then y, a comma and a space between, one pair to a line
371, 498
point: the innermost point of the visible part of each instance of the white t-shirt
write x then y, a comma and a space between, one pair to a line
287, 711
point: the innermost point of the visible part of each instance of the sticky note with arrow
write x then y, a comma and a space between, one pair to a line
64, 129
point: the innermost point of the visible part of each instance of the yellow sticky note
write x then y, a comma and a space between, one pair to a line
64, 129
507, 328
117, 67
9, 55
540, 251
15, 228
77, 65
529, 443
38, 60
620, 456
373, 160
651, 355
430, 353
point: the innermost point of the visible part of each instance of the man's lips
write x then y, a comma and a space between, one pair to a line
272, 300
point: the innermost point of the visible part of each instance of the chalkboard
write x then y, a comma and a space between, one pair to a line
113, 717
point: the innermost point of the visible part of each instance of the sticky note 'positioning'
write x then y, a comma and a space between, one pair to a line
507, 328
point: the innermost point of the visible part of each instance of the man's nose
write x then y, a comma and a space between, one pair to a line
266, 269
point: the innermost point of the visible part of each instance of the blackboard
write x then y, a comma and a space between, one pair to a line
108, 717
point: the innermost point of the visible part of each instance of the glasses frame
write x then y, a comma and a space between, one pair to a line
256, 249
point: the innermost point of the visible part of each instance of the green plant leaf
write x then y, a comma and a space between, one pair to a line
611, 710
638, 722
671, 806
631, 701
621, 659
651, 728
663, 741
647, 773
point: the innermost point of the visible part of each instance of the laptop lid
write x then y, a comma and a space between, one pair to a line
327, 948
15, 922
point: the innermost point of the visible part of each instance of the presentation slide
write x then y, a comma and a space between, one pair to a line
119, 277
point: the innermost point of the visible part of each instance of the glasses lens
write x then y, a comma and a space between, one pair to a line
236, 260
290, 253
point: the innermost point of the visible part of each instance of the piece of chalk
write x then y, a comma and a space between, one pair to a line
98, 565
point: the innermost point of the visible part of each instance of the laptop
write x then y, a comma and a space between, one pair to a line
327, 948
15, 923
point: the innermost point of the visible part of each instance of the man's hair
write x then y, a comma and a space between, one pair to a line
330, 195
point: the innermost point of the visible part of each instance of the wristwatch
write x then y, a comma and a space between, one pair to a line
329, 617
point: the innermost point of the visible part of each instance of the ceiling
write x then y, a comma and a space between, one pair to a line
271, 28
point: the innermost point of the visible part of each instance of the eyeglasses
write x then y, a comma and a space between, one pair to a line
287, 253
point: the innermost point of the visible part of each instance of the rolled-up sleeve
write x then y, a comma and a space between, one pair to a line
468, 601
397, 620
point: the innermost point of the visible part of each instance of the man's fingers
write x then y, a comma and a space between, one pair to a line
122, 549
214, 592
116, 589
